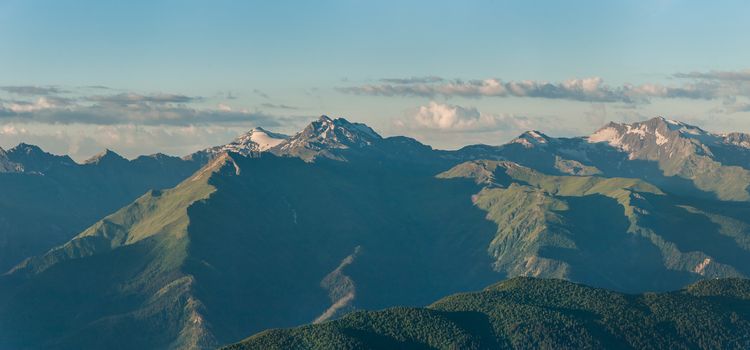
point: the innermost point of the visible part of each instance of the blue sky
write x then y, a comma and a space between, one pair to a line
220, 67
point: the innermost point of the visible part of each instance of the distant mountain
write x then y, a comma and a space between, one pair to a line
251, 143
325, 137
679, 158
107, 157
46, 199
718, 164
33, 159
525, 313
337, 218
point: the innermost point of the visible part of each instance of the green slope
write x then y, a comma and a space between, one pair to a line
524, 313
120, 277
55, 198
248, 244
618, 233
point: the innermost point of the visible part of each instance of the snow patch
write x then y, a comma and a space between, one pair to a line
539, 138
264, 140
660, 139
523, 142
700, 268
640, 131
608, 134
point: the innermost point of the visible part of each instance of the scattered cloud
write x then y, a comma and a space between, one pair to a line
701, 86
12, 107
413, 80
98, 87
129, 108
144, 115
742, 75
278, 106
126, 99
585, 90
261, 93
30, 90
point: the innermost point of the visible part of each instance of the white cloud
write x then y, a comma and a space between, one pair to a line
41, 103
12, 130
454, 118
446, 117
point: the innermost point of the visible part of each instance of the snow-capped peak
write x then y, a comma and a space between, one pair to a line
254, 141
332, 133
531, 138
651, 135
262, 138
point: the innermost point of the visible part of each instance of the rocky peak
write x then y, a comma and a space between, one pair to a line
106, 157
338, 132
34, 159
655, 133
326, 134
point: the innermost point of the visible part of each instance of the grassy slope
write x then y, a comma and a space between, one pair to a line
534, 313
121, 276
617, 233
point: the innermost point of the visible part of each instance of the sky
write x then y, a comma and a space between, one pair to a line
141, 77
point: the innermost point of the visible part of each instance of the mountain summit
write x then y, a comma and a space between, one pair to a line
716, 163
107, 156
532, 138
325, 135
252, 142
34, 159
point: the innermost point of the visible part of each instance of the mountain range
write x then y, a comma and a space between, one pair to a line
274, 231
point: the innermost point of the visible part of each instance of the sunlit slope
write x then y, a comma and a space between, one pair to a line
619, 233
